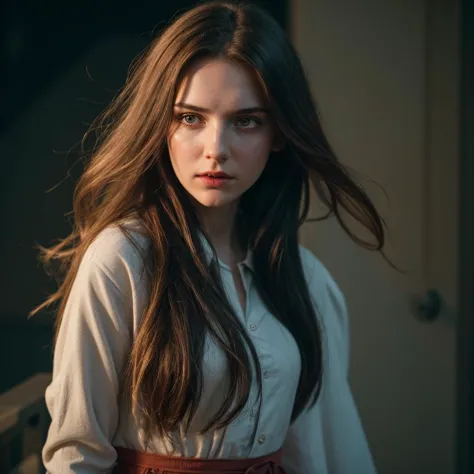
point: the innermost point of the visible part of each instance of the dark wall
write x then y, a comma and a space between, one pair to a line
39, 40
60, 64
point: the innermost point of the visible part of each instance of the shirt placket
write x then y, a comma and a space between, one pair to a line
254, 321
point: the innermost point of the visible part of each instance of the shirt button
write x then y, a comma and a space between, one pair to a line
253, 327
266, 374
261, 439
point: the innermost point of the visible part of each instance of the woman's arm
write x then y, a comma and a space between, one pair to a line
329, 438
92, 345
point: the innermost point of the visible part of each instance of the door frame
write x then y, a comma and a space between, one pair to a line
465, 337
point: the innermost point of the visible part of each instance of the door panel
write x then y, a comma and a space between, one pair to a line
385, 78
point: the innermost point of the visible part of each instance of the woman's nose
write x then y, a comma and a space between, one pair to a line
217, 143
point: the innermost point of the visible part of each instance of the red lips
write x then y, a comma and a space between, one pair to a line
215, 174
215, 179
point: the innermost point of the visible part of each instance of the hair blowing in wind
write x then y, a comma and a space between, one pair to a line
129, 175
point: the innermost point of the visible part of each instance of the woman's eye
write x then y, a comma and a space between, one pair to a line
248, 122
192, 120
189, 119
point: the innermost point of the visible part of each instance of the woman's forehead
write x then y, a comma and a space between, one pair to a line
218, 83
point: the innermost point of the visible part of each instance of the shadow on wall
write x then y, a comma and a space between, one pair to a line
40, 144
24, 350
37, 153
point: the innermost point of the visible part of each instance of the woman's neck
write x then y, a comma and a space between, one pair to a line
220, 226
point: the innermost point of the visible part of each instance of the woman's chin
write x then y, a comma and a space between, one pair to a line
212, 204
213, 200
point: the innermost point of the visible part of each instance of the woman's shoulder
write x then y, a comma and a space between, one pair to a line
317, 275
119, 251
122, 240
329, 301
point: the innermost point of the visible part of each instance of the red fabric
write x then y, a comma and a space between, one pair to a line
137, 462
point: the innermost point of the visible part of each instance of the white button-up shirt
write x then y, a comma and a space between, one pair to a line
101, 319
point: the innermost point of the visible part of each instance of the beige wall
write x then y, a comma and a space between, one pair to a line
384, 74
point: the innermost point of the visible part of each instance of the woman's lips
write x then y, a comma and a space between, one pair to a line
215, 180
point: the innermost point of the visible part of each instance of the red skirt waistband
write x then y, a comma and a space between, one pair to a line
130, 461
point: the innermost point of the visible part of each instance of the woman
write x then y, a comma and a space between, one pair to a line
193, 333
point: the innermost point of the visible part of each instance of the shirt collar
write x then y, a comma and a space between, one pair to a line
208, 253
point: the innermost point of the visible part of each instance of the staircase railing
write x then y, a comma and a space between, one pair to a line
24, 423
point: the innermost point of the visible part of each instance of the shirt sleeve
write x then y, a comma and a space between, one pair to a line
328, 438
82, 399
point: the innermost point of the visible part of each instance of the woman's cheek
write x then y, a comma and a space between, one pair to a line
182, 143
255, 149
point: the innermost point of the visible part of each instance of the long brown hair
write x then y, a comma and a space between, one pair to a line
130, 174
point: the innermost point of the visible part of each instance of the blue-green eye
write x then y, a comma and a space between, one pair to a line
248, 122
189, 119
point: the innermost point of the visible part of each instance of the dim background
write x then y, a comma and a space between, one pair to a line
61, 63
392, 81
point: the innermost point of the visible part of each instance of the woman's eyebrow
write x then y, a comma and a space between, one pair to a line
246, 110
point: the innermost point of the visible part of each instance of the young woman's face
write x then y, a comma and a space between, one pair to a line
222, 135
